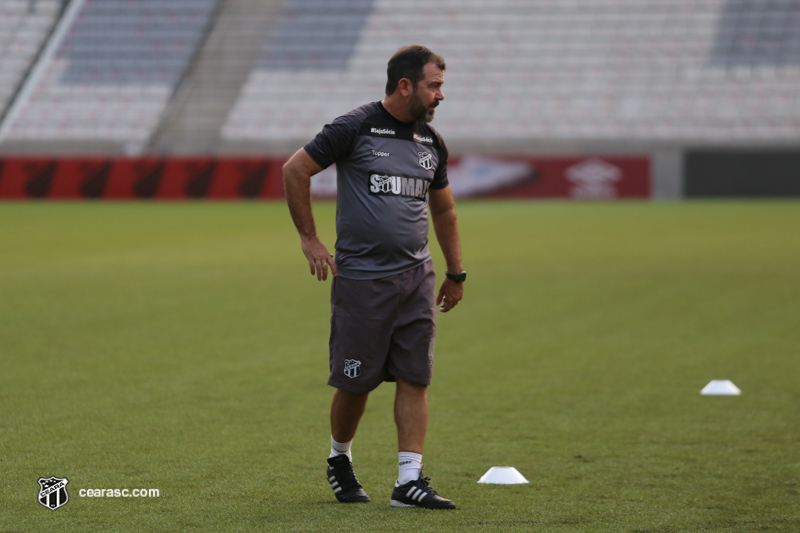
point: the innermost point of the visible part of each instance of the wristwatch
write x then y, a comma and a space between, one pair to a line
458, 278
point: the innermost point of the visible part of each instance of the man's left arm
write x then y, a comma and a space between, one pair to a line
443, 214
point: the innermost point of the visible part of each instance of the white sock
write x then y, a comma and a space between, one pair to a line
341, 448
409, 467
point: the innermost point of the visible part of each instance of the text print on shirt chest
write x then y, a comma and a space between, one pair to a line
404, 186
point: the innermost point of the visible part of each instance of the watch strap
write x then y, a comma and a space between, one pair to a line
458, 278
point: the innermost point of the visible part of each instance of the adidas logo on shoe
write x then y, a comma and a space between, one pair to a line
419, 493
343, 481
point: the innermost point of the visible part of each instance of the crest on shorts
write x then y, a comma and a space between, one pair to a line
352, 368
425, 160
53, 492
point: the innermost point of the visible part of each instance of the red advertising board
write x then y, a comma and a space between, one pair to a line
580, 177
589, 177
208, 177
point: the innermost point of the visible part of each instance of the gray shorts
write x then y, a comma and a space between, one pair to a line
382, 329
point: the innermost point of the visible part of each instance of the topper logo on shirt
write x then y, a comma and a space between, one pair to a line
386, 185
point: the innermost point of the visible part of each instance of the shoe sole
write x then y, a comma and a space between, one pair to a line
397, 503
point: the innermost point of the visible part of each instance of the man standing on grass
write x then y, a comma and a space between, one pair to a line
391, 166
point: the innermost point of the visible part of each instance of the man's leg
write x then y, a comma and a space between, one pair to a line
411, 415
346, 411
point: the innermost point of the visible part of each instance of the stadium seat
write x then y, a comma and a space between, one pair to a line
526, 70
574, 69
115, 70
24, 26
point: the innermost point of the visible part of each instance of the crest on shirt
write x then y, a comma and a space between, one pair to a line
425, 160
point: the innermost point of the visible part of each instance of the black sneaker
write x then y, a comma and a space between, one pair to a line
343, 480
419, 494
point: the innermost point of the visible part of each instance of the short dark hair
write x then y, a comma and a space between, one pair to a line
409, 62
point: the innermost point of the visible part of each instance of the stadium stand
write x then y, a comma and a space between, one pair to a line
214, 81
114, 71
179, 75
24, 26
528, 70
304, 72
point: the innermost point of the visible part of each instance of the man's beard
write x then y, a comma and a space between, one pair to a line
418, 110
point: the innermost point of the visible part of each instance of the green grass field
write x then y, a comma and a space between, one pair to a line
183, 347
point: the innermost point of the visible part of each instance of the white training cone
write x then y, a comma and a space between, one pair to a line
720, 387
503, 475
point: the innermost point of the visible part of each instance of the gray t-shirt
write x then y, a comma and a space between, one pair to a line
384, 169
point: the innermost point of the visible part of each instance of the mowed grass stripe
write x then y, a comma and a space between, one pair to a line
183, 347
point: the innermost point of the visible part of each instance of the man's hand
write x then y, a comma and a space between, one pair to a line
318, 257
443, 215
297, 172
450, 293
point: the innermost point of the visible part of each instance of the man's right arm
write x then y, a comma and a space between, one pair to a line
297, 174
